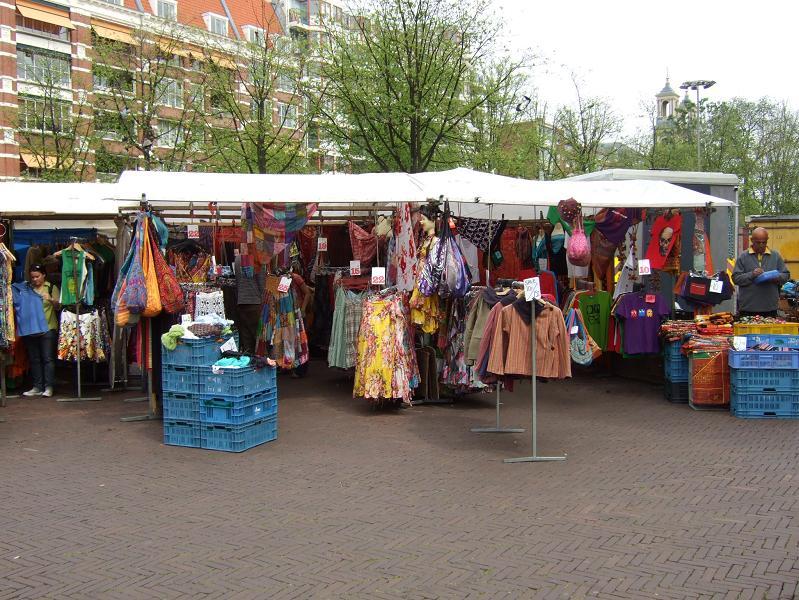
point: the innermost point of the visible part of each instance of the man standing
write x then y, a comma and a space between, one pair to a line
759, 296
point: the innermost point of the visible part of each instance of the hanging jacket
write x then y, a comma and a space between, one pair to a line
28, 310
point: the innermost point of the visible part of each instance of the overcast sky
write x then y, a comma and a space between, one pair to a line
621, 49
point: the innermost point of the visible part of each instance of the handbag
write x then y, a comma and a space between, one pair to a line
168, 286
133, 289
707, 291
579, 252
153, 307
582, 347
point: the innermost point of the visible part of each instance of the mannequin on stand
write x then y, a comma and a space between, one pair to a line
425, 310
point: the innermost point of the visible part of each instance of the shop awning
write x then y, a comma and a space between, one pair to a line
473, 190
170, 47
21, 199
46, 14
223, 61
110, 31
38, 162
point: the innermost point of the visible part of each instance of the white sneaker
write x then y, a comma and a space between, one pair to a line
48, 392
33, 392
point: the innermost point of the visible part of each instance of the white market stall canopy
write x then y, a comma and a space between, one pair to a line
473, 190
33, 200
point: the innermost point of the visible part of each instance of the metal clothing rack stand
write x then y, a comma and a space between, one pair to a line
497, 428
79, 337
152, 402
3, 394
534, 401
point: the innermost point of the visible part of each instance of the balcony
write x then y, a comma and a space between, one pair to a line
298, 16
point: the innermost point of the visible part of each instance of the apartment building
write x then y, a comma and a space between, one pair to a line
60, 93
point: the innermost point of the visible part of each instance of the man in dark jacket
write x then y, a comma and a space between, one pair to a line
759, 298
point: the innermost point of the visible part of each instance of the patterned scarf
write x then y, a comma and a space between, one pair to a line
270, 228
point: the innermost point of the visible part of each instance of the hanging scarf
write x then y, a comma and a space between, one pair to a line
269, 228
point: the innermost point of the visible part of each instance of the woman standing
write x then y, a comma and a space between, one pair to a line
40, 346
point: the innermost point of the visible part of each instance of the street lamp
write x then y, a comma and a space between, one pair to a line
699, 84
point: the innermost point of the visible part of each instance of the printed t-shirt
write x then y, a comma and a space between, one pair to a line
595, 308
641, 322
658, 252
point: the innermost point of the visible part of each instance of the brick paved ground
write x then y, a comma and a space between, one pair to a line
655, 500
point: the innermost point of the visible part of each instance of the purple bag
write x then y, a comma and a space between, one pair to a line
134, 294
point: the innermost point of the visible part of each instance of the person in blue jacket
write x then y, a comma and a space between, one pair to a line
35, 307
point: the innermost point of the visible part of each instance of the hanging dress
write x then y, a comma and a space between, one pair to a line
425, 310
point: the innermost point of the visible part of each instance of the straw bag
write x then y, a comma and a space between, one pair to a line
582, 347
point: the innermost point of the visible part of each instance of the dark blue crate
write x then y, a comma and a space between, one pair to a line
181, 407
238, 438
757, 359
676, 391
673, 349
194, 353
759, 405
774, 339
237, 382
180, 379
181, 433
765, 380
229, 410
676, 369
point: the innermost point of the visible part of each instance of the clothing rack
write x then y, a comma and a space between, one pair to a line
534, 457
73, 243
497, 428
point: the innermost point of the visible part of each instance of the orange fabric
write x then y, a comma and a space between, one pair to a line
153, 307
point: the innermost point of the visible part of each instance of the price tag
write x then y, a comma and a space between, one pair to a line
378, 276
643, 267
285, 283
229, 345
193, 232
321, 244
355, 267
715, 286
650, 298
575, 330
185, 320
739, 343
532, 288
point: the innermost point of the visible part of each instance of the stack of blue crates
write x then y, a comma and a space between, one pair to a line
233, 410
675, 370
765, 384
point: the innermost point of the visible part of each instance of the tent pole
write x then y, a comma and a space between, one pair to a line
496, 428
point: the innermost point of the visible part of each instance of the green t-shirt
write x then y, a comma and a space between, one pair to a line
595, 308
49, 311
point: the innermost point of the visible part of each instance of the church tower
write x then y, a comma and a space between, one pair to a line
667, 100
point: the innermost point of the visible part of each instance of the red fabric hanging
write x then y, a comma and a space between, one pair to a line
364, 244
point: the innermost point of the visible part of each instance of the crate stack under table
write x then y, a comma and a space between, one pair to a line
232, 410
675, 371
765, 384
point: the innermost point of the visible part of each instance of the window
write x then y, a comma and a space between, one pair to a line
41, 28
261, 110
287, 115
286, 83
255, 35
166, 9
217, 25
170, 133
312, 137
109, 125
108, 79
43, 67
115, 2
197, 96
169, 92
43, 114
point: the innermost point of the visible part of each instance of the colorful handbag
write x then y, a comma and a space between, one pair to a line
582, 347
153, 307
579, 252
168, 286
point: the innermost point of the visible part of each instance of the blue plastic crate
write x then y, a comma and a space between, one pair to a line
765, 380
676, 369
673, 349
181, 407
180, 379
181, 433
194, 353
237, 382
757, 359
781, 341
759, 405
229, 410
676, 391
238, 438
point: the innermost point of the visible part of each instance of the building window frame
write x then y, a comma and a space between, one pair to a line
35, 65
169, 92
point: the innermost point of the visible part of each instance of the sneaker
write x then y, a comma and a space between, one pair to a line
48, 392
33, 392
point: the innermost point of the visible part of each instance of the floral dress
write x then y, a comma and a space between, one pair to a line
425, 310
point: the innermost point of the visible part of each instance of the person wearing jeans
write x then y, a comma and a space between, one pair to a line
41, 347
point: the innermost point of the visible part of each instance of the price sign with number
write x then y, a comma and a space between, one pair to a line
285, 283
643, 267
355, 267
378, 276
321, 244
532, 289
193, 232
